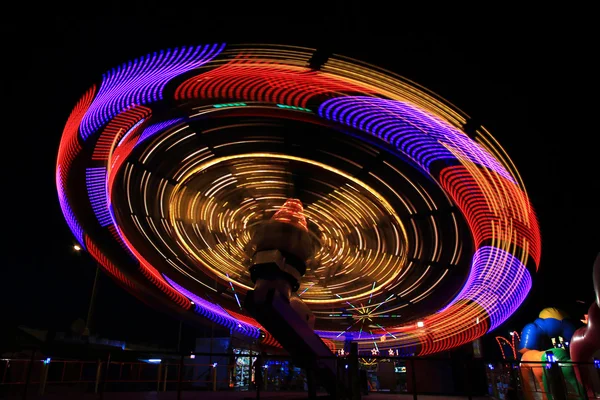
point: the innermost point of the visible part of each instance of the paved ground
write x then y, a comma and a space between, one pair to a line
226, 396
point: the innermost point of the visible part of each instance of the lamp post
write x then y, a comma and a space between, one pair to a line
86, 330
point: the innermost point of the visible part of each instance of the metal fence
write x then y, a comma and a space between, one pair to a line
28, 378
542, 380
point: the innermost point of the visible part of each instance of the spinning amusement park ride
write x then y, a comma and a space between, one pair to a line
264, 187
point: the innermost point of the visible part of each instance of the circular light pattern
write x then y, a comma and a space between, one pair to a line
423, 233
349, 222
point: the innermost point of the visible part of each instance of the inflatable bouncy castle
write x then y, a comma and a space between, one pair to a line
551, 345
545, 342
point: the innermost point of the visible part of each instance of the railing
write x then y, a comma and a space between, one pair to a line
504, 380
98, 376
542, 380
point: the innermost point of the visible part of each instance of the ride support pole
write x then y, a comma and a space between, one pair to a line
104, 376
468, 380
214, 379
179, 377
158, 376
28, 378
414, 378
354, 376
44, 378
98, 375
165, 378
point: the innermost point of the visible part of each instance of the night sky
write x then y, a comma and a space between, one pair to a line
528, 82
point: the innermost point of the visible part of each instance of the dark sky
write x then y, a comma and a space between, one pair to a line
526, 79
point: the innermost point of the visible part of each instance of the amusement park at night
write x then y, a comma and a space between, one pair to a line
354, 212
